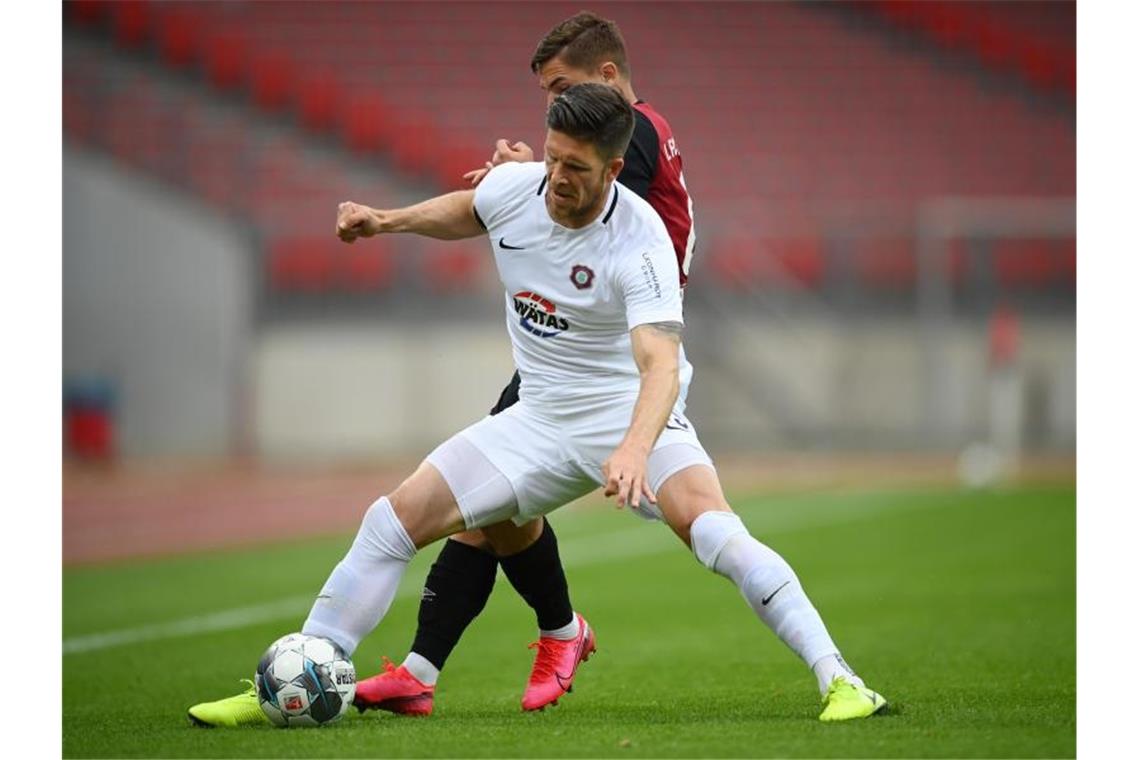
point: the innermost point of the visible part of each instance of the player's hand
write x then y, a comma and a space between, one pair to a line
354, 220
626, 476
518, 151
504, 152
475, 176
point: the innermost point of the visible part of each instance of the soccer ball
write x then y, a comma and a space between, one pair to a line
304, 681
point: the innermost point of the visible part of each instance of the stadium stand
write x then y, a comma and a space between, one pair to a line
1032, 38
794, 120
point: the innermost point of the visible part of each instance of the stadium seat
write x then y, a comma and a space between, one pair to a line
303, 264
453, 267
319, 100
367, 268
271, 79
226, 57
179, 34
87, 12
744, 263
368, 123
1025, 263
131, 20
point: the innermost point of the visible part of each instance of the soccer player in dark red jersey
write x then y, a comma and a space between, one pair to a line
584, 48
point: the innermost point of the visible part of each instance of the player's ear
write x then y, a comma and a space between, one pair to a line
615, 167
609, 71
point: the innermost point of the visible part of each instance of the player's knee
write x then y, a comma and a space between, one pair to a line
473, 538
710, 532
507, 539
383, 533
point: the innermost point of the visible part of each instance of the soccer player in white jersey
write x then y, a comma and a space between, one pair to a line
593, 309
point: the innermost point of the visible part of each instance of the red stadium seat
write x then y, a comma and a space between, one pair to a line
744, 263
180, 30
302, 264
452, 267
367, 267
131, 20
87, 12
227, 54
1025, 263
272, 77
320, 99
413, 141
367, 123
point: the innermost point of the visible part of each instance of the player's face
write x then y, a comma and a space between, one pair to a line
555, 77
577, 179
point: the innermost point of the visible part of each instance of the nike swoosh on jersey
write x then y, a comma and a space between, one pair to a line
503, 244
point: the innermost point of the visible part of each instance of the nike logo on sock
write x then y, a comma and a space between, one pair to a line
765, 600
427, 595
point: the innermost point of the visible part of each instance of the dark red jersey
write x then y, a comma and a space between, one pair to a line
653, 171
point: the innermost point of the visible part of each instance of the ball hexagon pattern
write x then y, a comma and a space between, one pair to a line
304, 681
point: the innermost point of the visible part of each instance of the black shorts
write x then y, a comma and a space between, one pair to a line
510, 395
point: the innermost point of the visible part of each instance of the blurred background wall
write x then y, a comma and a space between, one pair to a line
884, 195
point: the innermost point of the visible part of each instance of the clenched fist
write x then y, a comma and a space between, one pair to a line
354, 220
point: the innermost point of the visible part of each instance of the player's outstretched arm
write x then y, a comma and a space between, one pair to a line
445, 217
655, 349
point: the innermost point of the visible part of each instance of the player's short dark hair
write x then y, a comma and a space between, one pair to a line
595, 113
584, 41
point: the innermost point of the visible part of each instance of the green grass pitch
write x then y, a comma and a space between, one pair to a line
958, 606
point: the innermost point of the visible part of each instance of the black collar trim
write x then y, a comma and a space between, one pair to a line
613, 205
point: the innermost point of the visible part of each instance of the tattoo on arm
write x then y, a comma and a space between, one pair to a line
671, 329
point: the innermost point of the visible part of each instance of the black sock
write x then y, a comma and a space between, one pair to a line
536, 573
455, 592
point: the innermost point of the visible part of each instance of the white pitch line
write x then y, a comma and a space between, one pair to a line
580, 552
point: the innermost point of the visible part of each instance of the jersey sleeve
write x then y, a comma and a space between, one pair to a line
504, 187
650, 286
641, 156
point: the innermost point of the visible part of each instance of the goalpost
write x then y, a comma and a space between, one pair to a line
938, 223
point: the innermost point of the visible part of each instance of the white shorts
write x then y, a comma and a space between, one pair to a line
521, 464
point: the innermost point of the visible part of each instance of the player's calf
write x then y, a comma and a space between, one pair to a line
723, 544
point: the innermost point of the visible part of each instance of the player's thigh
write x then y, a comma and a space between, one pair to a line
687, 493
529, 449
482, 493
425, 506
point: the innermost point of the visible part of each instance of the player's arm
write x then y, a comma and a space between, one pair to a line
446, 217
656, 349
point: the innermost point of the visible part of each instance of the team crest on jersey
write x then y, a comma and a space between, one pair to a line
537, 315
581, 276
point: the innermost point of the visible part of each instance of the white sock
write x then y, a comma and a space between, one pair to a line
361, 587
421, 668
831, 667
567, 632
771, 587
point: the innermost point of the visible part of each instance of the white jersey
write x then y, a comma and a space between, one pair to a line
573, 295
